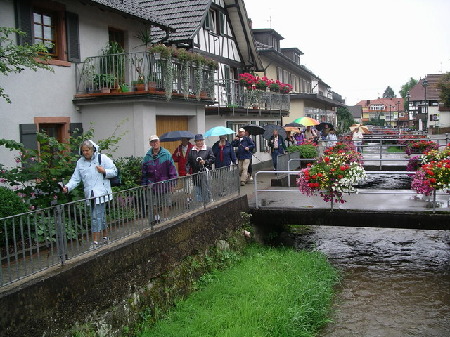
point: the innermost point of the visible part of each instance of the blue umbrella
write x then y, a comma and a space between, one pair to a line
175, 135
218, 131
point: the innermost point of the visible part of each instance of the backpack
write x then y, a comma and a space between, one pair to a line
115, 181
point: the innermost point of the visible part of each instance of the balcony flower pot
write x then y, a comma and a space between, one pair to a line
151, 86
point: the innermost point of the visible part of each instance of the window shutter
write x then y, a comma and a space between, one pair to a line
28, 136
222, 21
73, 46
24, 21
75, 129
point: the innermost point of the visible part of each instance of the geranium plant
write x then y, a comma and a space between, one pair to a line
433, 155
421, 146
262, 83
247, 80
332, 175
285, 88
431, 177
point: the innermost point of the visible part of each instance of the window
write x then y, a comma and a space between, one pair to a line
44, 31
47, 22
54, 127
215, 22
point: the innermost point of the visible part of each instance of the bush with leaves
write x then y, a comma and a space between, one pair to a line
305, 150
38, 172
10, 203
16, 58
130, 171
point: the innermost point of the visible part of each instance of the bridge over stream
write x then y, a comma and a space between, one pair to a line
275, 198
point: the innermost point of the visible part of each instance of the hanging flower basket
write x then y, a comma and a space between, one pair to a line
421, 146
332, 175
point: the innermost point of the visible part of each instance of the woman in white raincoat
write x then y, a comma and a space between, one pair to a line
97, 188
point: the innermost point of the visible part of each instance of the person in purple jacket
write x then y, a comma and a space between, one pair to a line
159, 171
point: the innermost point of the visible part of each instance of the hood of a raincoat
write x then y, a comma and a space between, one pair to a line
96, 148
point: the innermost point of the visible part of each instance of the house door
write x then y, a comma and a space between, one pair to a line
171, 123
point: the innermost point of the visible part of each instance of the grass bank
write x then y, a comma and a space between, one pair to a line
268, 292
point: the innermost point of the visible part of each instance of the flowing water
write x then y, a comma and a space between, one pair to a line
396, 283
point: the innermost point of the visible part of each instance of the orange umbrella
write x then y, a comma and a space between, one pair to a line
362, 128
291, 129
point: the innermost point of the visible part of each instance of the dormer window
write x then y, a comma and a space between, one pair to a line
214, 22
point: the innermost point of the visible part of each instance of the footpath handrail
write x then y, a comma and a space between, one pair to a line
289, 189
34, 241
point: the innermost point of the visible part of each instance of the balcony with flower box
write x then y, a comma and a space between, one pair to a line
153, 74
171, 74
250, 96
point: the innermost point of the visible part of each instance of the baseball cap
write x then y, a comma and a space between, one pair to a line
154, 137
199, 137
241, 129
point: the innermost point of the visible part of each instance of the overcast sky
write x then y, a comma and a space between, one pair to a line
359, 47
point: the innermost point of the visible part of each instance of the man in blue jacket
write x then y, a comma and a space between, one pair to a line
244, 145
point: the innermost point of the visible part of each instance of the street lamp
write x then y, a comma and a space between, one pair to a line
390, 115
398, 111
408, 96
425, 85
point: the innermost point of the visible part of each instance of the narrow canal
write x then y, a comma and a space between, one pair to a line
395, 282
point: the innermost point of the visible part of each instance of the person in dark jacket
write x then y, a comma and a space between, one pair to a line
224, 153
158, 170
245, 146
200, 161
277, 147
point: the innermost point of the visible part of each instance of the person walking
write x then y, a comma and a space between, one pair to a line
223, 153
158, 170
245, 146
331, 138
200, 161
96, 184
277, 147
180, 155
310, 134
357, 138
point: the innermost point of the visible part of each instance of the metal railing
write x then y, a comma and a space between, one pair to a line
34, 241
229, 93
146, 72
428, 202
143, 71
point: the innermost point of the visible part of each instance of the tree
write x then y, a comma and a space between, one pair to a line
444, 86
344, 119
388, 93
405, 89
16, 58
54, 162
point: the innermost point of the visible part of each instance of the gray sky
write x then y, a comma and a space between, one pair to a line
359, 47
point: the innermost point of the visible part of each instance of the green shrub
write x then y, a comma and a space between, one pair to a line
130, 170
306, 150
10, 203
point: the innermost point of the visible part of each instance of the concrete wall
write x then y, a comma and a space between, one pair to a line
103, 286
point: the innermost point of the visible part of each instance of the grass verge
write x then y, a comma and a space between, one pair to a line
395, 149
269, 292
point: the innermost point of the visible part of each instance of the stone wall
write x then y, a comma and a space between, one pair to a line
103, 285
